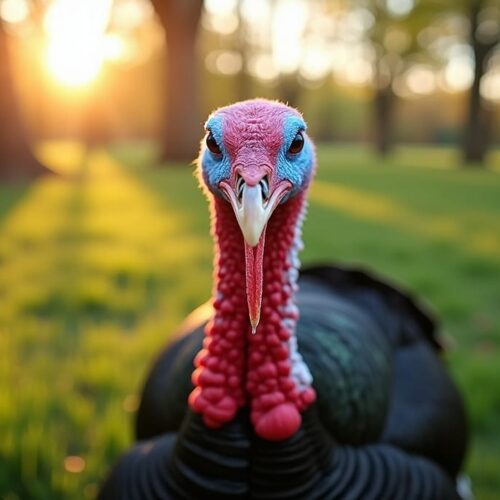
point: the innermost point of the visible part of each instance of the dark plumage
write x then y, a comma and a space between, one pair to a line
384, 399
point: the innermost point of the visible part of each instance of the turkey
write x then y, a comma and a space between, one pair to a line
347, 400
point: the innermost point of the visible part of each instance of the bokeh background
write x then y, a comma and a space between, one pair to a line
104, 234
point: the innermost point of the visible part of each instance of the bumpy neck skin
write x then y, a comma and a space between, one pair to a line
264, 370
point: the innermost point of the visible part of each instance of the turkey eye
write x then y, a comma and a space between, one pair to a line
297, 144
212, 144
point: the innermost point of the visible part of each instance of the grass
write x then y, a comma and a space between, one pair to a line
98, 267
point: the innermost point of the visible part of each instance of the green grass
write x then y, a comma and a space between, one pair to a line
98, 267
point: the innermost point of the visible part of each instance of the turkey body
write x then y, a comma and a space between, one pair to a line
388, 421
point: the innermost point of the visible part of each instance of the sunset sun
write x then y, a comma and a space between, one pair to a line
76, 36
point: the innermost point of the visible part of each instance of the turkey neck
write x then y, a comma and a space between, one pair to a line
278, 380
264, 370
220, 365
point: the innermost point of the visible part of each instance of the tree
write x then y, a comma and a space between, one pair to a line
484, 37
180, 20
394, 39
17, 162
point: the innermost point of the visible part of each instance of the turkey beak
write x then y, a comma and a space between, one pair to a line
253, 206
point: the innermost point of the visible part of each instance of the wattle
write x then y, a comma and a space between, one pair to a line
264, 370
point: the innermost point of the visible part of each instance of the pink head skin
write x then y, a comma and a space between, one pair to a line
252, 165
257, 163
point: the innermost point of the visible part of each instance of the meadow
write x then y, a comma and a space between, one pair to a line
100, 264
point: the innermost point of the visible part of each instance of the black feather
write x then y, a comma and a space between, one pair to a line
388, 421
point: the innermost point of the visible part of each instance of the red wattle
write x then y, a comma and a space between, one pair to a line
220, 365
276, 395
254, 259
280, 423
235, 368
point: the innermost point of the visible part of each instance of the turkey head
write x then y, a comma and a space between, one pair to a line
255, 164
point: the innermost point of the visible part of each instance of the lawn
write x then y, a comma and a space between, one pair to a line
98, 266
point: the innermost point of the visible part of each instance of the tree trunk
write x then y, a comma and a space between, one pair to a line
478, 124
475, 142
474, 138
383, 118
181, 131
17, 162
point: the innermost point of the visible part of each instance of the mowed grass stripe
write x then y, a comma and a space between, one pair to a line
383, 210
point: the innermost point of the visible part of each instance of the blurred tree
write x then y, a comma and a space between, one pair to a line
17, 162
393, 37
242, 45
180, 19
484, 37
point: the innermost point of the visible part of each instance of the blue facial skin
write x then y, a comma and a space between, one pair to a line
215, 168
296, 168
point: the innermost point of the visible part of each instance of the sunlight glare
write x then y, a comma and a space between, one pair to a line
115, 47
217, 7
224, 62
76, 37
256, 12
131, 14
358, 72
421, 80
225, 24
352, 63
458, 74
316, 63
13, 11
289, 22
353, 25
399, 8
262, 66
